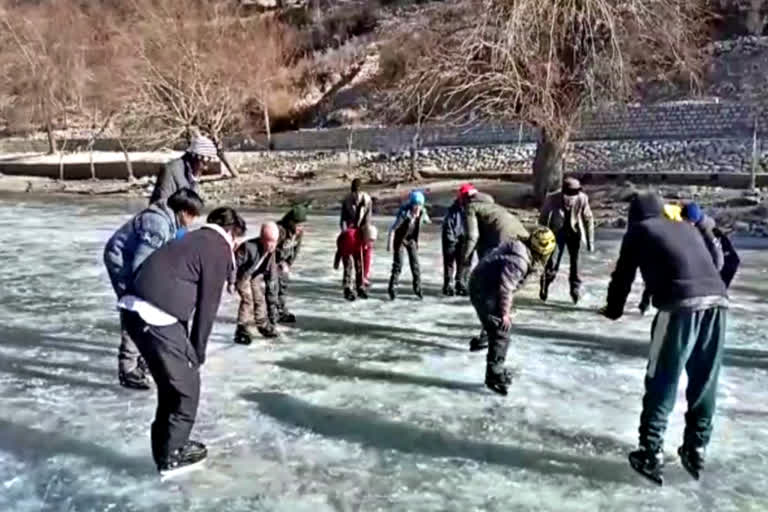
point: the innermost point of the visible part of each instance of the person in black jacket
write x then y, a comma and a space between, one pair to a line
688, 331
179, 282
255, 259
291, 228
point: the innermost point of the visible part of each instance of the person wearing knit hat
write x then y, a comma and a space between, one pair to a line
568, 214
691, 212
404, 234
291, 228
185, 172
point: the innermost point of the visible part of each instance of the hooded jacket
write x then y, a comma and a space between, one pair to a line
406, 227
555, 216
488, 225
130, 245
290, 238
186, 277
453, 228
706, 227
174, 175
499, 274
673, 260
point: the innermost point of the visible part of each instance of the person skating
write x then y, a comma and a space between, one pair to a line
257, 285
291, 228
354, 248
691, 213
688, 332
404, 234
179, 282
453, 239
568, 215
356, 208
492, 285
488, 225
185, 172
124, 253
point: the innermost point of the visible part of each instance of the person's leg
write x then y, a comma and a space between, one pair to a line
574, 245
131, 373
359, 280
413, 261
703, 369
673, 336
173, 365
260, 317
397, 267
449, 267
349, 268
497, 376
244, 311
284, 315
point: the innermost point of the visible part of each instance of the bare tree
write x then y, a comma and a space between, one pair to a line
544, 62
45, 69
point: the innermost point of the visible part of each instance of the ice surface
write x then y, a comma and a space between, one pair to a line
366, 406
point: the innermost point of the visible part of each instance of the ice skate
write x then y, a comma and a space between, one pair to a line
461, 290
188, 458
286, 317
391, 290
448, 291
268, 331
349, 294
418, 293
692, 459
362, 293
242, 336
575, 294
479, 342
135, 379
648, 463
498, 381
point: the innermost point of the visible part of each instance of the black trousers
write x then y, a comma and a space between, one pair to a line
282, 291
572, 241
173, 364
412, 248
488, 313
454, 269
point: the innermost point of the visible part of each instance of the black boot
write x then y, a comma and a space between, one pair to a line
692, 459
479, 342
649, 463
362, 293
286, 317
349, 294
417, 291
498, 379
544, 288
135, 379
189, 457
391, 288
242, 335
575, 293
268, 331
448, 290
461, 290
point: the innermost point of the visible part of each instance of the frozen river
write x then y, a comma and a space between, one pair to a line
366, 406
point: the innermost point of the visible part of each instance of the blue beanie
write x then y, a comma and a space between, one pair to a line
416, 197
692, 212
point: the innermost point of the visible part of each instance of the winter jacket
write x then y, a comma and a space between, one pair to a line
555, 216
130, 245
454, 229
174, 175
350, 243
489, 225
356, 210
500, 273
186, 278
252, 262
288, 243
706, 227
406, 227
673, 260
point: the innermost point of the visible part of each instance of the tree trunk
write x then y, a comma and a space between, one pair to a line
755, 20
415, 143
548, 164
51, 138
90, 162
266, 121
128, 164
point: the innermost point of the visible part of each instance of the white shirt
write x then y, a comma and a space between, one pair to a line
148, 312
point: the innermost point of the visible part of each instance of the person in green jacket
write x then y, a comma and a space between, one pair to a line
488, 225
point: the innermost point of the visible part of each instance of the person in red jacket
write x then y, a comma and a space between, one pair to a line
354, 247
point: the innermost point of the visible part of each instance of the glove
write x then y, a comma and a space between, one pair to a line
611, 315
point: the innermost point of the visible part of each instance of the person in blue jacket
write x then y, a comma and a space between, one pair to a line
404, 234
125, 252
